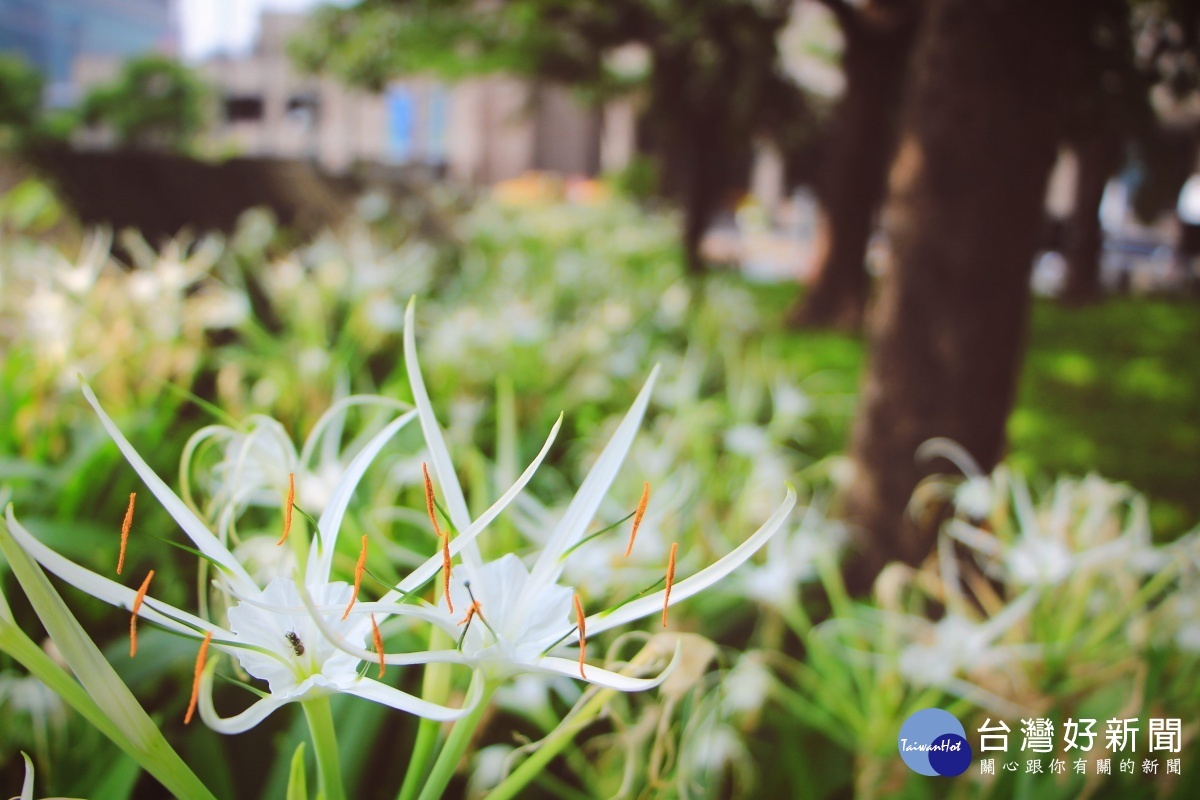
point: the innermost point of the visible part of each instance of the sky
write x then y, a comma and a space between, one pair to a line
228, 26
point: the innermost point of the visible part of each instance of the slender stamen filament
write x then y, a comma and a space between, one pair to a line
478, 610
429, 502
287, 509
377, 637
126, 524
637, 516
200, 659
670, 580
358, 573
579, 621
137, 604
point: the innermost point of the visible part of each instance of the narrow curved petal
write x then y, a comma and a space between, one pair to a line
189, 451
467, 535
583, 506
192, 525
974, 538
644, 606
456, 504
608, 678
238, 723
952, 451
27, 784
333, 419
320, 557
375, 691
107, 590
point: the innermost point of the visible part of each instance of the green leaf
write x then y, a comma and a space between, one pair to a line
107, 702
298, 780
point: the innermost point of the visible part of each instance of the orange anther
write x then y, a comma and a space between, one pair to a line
200, 659
377, 637
287, 510
579, 621
446, 567
359, 568
126, 524
637, 516
670, 580
137, 604
471, 612
429, 504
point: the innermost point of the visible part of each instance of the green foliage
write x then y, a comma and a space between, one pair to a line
24, 124
20, 93
30, 206
155, 104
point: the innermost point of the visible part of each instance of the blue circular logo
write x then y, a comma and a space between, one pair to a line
933, 742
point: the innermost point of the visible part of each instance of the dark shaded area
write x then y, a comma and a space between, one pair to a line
161, 194
859, 145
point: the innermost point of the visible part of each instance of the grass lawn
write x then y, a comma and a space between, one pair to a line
1112, 388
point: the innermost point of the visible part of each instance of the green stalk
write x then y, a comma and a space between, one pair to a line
324, 739
458, 741
435, 687
102, 699
532, 767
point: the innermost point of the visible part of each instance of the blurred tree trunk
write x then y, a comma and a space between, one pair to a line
1098, 158
981, 122
878, 40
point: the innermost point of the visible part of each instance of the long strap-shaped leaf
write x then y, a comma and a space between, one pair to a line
107, 703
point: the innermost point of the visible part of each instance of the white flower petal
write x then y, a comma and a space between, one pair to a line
402, 701
467, 536
583, 506
320, 557
456, 504
192, 525
107, 590
608, 678
644, 606
334, 418
27, 784
238, 723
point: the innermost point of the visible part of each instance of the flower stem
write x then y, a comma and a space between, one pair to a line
551, 746
329, 765
459, 739
435, 687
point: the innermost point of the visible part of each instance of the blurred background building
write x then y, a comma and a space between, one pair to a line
54, 34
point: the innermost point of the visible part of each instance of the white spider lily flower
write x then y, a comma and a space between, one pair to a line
270, 631
525, 614
1080, 529
259, 459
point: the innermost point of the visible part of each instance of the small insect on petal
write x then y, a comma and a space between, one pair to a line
670, 580
359, 568
126, 524
137, 604
287, 509
200, 659
377, 637
294, 641
581, 623
637, 516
